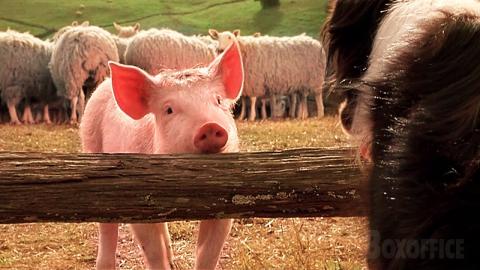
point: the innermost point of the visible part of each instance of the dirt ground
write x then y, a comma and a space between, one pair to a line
310, 243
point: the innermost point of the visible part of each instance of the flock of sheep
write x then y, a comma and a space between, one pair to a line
50, 80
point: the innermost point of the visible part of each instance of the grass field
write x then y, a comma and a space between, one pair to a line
313, 243
43, 17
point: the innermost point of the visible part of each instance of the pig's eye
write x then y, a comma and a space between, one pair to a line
219, 101
169, 110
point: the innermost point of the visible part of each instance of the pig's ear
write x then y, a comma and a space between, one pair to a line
229, 66
130, 88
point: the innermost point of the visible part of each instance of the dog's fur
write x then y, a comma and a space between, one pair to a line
416, 105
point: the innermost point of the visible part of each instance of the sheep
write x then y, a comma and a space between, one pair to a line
159, 49
123, 37
62, 30
79, 63
252, 88
209, 41
59, 111
306, 48
24, 73
3, 111
121, 44
279, 65
277, 105
243, 100
126, 31
244, 97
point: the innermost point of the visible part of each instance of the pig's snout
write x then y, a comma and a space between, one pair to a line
210, 138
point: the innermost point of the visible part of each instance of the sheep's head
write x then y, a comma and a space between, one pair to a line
225, 39
64, 29
126, 31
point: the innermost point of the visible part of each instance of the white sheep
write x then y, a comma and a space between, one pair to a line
80, 62
62, 30
122, 44
304, 74
24, 74
158, 49
279, 65
126, 31
123, 37
3, 112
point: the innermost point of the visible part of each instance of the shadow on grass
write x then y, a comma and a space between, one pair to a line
266, 19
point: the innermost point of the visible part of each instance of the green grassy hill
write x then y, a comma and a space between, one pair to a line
43, 17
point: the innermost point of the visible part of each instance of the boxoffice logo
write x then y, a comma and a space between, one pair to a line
415, 248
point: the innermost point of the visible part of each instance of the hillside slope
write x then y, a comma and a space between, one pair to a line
43, 17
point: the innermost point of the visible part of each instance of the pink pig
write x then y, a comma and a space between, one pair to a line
176, 111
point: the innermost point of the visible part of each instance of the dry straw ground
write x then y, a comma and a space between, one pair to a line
313, 243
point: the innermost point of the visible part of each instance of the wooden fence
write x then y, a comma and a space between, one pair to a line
130, 188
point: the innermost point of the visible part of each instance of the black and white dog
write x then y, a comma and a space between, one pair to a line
410, 72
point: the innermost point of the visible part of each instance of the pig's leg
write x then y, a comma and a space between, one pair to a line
293, 105
243, 103
107, 245
253, 109
152, 243
46, 115
13, 113
211, 237
73, 105
319, 101
264, 108
163, 227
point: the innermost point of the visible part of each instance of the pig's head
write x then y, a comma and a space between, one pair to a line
225, 39
191, 108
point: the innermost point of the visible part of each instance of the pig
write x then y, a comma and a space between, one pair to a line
175, 111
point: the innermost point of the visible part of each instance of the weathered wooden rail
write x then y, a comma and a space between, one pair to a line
41, 187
